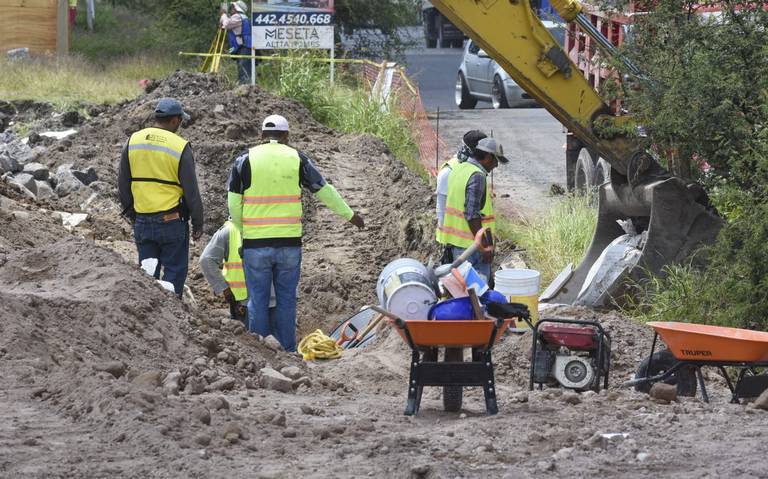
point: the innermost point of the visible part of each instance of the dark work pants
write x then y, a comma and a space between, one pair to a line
168, 242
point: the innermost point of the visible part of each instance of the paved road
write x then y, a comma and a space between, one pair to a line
532, 138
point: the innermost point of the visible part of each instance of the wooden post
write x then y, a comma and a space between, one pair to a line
62, 29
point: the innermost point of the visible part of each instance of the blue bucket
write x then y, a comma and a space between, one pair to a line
493, 295
455, 309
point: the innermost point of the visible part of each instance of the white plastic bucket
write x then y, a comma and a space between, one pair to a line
520, 286
404, 288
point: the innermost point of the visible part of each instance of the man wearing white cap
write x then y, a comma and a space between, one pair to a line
239, 37
469, 206
265, 204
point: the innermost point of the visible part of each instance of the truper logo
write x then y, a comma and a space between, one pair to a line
696, 352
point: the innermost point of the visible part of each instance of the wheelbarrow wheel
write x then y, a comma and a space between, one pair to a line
684, 378
453, 395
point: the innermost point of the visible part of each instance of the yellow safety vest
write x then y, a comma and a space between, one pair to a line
455, 229
450, 164
233, 265
154, 155
272, 204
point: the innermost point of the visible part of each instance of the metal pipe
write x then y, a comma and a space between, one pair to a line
605, 44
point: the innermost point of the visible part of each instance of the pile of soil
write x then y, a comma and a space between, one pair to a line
104, 374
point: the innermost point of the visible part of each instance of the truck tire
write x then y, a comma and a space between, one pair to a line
498, 94
602, 172
464, 100
453, 395
684, 378
584, 175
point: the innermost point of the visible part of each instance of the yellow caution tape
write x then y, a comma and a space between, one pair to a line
317, 345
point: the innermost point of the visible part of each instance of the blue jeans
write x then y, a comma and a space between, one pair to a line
476, 260
166, 241
263, 267
244, 67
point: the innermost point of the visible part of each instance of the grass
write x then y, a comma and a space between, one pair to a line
345, 106
555, 238
71, 82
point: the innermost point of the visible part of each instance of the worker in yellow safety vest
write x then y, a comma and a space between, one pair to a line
264, 202
158, 191
466, 150
222, 268
469, 205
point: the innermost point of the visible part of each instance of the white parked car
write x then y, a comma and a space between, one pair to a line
480, 78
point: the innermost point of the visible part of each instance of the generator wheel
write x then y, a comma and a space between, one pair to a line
453, 395
684, 378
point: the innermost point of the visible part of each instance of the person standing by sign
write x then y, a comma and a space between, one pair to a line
238, 29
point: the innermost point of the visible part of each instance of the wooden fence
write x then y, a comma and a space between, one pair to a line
40, 25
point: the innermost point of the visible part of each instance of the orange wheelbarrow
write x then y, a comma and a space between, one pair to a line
691, 347
424, 336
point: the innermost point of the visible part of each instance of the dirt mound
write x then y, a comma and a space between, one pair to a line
340, 265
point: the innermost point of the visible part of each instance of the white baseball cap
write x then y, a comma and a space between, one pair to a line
274, 123
490, 145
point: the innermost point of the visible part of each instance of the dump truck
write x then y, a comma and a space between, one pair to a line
674, 214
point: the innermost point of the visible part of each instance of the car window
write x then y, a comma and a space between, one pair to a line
473, 48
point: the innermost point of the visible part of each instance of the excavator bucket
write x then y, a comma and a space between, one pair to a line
675, 216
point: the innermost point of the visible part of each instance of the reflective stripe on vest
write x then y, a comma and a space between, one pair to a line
233, 267
154, 155
455, 229
450, 164
272, 204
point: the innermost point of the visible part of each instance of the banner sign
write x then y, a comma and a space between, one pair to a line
293, 24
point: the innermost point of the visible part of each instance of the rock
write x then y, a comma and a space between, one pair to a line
596, 441
65, 180
224, 384
71, 118
223, 356
289, 433
44, 190
762, 401
664, 392
37, 170
233, 132
203, 454
293, 372
421, 470
86, 176
563, 453
203, 439
218, 108
232, 432
642, 456
216, 403
195, 385
521, 397
115, 368
8, 164
149, 380
203, 415
571, 398
279, 419
30, 441
271, 379
171, 383
312, 411
272, 343
212, 322
304, 380
27, 181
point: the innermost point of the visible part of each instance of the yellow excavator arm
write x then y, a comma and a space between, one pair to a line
673, 214
512, 34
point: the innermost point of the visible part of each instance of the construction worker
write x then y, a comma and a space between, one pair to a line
466, 150
222, 267
239, 37
469, 205
158, 191
265, 204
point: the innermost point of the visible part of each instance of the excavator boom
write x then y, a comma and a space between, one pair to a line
674, 215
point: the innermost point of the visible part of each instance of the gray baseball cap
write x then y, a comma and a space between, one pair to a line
170, 107
490, 145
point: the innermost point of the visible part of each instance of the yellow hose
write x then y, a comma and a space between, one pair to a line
317, 345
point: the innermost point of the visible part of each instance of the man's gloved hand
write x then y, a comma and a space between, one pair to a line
357, 220
229, 296
197, 233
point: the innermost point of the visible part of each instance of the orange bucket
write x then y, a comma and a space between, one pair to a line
702, 342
